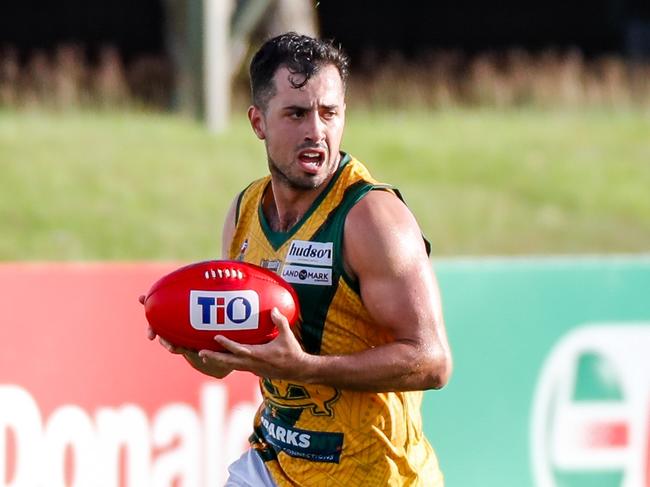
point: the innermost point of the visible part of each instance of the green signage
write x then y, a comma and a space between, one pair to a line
551, 382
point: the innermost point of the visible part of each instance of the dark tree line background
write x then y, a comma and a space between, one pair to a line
135, 28
125, 53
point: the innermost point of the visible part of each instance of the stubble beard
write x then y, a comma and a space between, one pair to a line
305, 183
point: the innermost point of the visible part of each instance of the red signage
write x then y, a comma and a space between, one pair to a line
86, 399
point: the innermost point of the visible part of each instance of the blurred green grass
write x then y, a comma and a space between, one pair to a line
138, 186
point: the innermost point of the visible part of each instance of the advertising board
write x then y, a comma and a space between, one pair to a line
551, 383
87, 400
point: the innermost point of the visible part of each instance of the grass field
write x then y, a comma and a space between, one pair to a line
126, 186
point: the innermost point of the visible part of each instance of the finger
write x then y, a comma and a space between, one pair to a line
221, 357
232, 346
150, 333
142, 298
172, 348
194, 359
280, 321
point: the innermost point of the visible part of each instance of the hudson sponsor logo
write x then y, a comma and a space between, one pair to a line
296, 274
591, 411
224, 310
120, 446
305, 252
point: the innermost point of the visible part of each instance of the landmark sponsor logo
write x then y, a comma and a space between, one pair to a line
591, 410
295, 274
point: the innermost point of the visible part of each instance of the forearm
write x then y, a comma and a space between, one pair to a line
398, 366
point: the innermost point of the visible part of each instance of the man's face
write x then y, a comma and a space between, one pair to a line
302, 128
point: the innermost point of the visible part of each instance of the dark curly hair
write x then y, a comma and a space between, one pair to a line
301, 55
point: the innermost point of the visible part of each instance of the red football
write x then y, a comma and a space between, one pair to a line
193, 304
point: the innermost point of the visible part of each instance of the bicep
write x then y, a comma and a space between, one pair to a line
385, 251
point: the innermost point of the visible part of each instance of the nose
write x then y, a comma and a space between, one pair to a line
314, 127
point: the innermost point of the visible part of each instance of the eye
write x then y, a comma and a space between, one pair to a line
297, 114
328, 114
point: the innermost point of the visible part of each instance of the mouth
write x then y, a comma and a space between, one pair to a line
311, 160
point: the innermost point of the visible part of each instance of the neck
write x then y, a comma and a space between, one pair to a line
284, 207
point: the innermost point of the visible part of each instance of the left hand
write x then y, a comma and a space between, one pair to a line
281, 358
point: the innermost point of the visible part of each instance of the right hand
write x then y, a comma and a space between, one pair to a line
211, 368
150, 333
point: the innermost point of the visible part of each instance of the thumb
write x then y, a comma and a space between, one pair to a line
280, 321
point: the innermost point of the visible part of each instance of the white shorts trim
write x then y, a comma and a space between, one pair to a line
249, 471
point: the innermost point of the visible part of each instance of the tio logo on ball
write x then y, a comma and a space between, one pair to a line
591, 412
224, 310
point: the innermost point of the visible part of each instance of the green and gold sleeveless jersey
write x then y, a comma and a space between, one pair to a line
314, 435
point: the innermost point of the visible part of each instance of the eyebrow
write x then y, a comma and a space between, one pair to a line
307, 108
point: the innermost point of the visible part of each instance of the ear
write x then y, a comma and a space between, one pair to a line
256, 119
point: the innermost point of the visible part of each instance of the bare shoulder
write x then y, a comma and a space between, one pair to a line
381, 229
228, 230
384, 251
